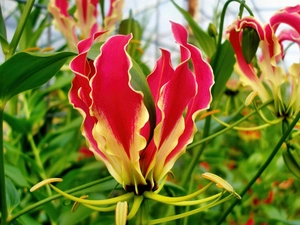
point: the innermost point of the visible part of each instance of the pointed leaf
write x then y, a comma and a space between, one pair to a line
3, 38
25, 71
12, 196
130, 25
139, 82
94, 50
2, 25
4, 44
17, 124
222, 69
206, 42
16, 175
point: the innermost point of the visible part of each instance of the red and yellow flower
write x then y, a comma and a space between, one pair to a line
268, 78
138, 127
84, 22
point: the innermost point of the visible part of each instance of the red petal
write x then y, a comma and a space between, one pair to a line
80, 91
185, 92
113, 98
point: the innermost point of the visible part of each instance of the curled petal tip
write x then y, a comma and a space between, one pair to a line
220, 183
44, 182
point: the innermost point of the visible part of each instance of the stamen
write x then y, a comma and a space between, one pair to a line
110, 201
44, 182
220, 183
76, 204
250, 98
121, 213
33, 49
47, 49
206, 114
171, 200
137, 201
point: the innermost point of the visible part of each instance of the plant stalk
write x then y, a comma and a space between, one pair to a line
196, 156
207, 138
243, 5
21, 25
2, 174
263, 167
53, 197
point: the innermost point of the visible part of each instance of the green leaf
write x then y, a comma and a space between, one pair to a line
17, 124
2, 25
291, 162
73, 125
94, 50
3, 39
59, 83
15, 175
4, 44
102, 10
139, 83
27, 219
12, 196
25, 71
206, 42
223, 69
132, 26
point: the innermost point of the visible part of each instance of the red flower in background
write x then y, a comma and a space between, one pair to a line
270, 80
84, 23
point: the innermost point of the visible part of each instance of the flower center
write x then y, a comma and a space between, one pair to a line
141, 188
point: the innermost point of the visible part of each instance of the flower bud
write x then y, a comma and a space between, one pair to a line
250, 42
212, 30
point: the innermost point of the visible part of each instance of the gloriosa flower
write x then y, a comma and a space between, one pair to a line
269, 79
84, 23
139, 129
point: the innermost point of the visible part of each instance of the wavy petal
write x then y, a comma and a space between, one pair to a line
289, 16
114, 15
80, 93
63, 22
198, 99
119, 110
176, 98
86, 15
161, 74
204, 79
246, 71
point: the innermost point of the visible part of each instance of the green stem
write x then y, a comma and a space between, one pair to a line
223, 13
79, 188
263, 167
142, 214
21, 25
208, 119
228, 128
208, 138
242, 5
2, 174
196, 156
36, 153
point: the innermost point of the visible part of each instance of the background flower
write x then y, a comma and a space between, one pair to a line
84, 22
268, 77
